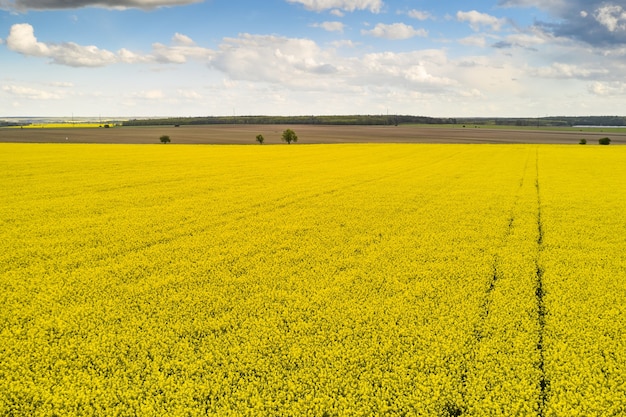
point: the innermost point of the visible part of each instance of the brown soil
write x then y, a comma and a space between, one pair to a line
246, 134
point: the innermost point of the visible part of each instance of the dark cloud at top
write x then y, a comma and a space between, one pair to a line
23, 5
597, 22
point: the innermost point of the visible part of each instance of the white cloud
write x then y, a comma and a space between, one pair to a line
400, 69
473, 93
30, 93
179, 54
330, 26
418, 73
168, 55
188, 94
276, 59
182, 40
301, 65
605, 89
419, 15
476, 20
614, 51
474, 40
564, 71
22, 40
74, 55
130, 57
395, 31
346, 43
183, 48
62, 84
526, 40
373, 6
612, 17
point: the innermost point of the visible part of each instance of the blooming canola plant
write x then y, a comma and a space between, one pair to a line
370, 279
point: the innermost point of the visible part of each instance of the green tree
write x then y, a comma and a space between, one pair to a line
164, 139
260, 139
583, 141
289, 136
604, 141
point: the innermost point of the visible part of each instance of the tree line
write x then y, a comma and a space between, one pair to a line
552, 121
293, 120
549, 121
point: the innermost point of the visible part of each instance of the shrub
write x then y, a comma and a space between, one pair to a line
164, 139
604, 141
583, 141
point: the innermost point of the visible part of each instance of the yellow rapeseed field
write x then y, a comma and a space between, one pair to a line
312, 280
64, 125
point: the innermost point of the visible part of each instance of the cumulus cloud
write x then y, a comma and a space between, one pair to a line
22, 40
596, 22
130, 57
612, 17
530, 40
607, 89
474, 40
526, 40
566, 71
395, 31
188, 94
477, 20
270, 58
345, 43
411, 69
23, 5
330, 26
179, 52
182, 40
419, 14
30, 93
302, 65
373, 6
74, 55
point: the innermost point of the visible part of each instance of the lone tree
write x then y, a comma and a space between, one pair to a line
289, 136
260, 139
604, 141
164, 139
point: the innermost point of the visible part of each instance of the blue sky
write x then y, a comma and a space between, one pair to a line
141, 58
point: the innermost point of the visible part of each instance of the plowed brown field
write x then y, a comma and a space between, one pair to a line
246, 134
